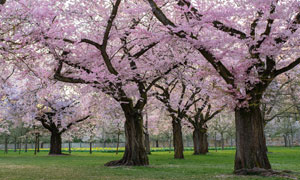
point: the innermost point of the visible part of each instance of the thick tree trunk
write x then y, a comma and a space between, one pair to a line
156, 143
200, 141
250, 140
55, 144
135, 152
177, 139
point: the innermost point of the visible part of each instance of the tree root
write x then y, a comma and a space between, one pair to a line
114, 163
265, 173
62, 154
123, 162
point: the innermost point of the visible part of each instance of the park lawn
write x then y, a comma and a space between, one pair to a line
83, 166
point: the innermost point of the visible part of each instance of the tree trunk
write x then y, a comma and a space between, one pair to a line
292, 140
38, 143
118, 142
147, 143
55, 144
91, 151
15, 149
6, 145
266, 142
222, 140
20, 147
35, 144
170, 142
147, 137
285, 140
216, 145
135, 152
156, 143
200, 141
177, 139
70, 146
250, 140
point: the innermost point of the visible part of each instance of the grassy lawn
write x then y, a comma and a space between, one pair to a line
83, 166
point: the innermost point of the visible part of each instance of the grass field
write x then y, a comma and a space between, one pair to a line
83, 166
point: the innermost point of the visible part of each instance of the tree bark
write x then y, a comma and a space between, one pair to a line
156, 143
135, 152
147, 143
200, 141
55, 144
250, 140
177, 139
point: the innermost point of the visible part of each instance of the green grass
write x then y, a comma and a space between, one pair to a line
121, 149
83, 166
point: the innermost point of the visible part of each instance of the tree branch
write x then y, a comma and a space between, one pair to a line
217, 64
72, 123
287, 68
217, 24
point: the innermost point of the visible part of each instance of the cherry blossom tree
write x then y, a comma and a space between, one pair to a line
187, 96
249, 43
56, 109
52, 117
104, 45
177, 105
199, 120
